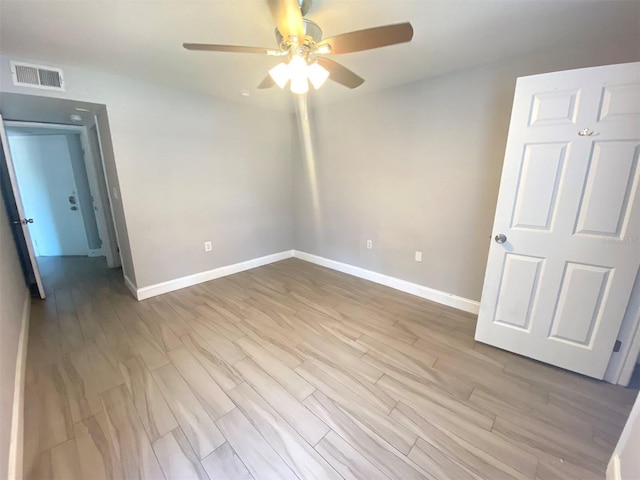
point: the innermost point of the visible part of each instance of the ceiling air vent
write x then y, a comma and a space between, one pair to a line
37, 76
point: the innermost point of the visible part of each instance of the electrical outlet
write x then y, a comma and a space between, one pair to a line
418, 256
369, 244
207, 246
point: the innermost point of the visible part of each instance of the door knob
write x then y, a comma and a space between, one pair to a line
74, 207
500, 238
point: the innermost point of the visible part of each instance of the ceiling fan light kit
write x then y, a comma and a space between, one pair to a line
301, 41
300, 73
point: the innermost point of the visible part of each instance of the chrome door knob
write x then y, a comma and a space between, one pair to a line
500, 238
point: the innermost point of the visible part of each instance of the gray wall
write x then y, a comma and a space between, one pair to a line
417, 167
188, 168
12, 295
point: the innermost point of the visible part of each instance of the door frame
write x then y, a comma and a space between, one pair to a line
110, 251
117, 255
623, 363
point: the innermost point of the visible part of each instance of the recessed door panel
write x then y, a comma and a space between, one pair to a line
540, 179
579, 307
554, 108
619, 101
518, 290
611, 177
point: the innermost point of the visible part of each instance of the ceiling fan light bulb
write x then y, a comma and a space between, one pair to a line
299, 85
317, 75
280, 74
298, 75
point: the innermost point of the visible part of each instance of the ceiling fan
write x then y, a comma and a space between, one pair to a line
300, 41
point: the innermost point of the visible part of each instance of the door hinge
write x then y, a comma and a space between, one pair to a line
617, 346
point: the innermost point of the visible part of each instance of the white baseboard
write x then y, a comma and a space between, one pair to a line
437, 296
17, 417
95, 253
183, 282
131, 286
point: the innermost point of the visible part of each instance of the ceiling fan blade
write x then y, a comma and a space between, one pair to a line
340, 74
227, 48
369, 38
267, 83
288, 17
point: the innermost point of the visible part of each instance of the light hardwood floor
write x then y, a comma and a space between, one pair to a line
292, 371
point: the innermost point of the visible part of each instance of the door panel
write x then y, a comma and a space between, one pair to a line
540, 176
16, 215
554, 108
569, 206
611, 179
619, 101
578, 311
518, 290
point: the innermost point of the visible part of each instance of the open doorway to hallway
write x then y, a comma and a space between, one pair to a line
58, 183
58, 188
55, 182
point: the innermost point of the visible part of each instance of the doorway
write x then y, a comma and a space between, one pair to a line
58, 180
54, 186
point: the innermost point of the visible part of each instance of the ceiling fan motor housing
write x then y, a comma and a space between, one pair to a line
312, 35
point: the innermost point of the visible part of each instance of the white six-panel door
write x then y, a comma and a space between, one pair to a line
557, 289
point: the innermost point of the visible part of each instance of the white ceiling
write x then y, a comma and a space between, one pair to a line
142, 39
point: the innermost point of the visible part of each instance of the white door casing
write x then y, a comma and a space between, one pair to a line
569, 205
16, 194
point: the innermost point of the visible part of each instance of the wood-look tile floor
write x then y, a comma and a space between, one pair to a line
292, 371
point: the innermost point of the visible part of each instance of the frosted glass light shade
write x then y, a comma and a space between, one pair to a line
280, 74
317, 75
298, 75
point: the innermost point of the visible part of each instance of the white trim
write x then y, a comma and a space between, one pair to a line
109, 190
17, 417
106, 250
189, 280
613, 468
434, 295
131, 286
622, 364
